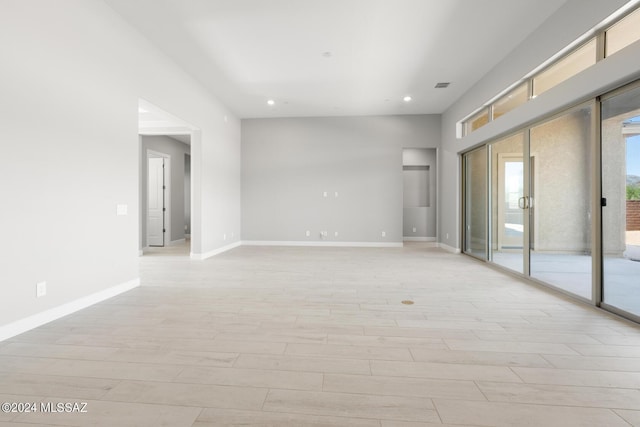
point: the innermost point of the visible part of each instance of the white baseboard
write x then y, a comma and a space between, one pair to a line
323, 244
214, 252
39, 319
418, 239
449, 248
176, 242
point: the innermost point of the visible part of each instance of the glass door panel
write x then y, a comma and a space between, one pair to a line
475, 203
621, 189
560, 202
508, 202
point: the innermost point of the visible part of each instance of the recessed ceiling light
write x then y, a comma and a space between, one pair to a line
271, 102
442, 85
327, 54
407, 98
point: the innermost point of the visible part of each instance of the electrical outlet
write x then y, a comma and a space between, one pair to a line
308, 233
336, 194
447, 236
41, 289
384, 234
336, 234
414, 229
325, 194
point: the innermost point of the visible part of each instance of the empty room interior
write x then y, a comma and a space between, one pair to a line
320, 213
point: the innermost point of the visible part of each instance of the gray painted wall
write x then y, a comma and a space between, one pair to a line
288, 165
574, 18
69, 105
176, 150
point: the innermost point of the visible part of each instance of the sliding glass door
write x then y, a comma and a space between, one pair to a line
560, 208
621, 196
475, 203
530, 198
537, 219
508, 202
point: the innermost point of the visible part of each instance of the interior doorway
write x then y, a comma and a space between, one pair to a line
167, 223
165, 194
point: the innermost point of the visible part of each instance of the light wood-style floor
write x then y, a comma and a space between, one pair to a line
320, 337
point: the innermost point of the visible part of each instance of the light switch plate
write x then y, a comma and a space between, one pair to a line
122, 209
41, 289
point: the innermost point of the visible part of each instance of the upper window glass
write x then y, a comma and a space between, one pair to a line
623, 33
511, 100
569, 66
476, 121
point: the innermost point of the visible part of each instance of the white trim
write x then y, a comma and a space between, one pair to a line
39, 319
159, 130
448, 248
418, 239
323, 243
176, 242
214, 252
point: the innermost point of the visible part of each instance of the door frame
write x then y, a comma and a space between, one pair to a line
166, 240
599, 287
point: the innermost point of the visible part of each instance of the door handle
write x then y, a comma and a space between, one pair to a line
525, 202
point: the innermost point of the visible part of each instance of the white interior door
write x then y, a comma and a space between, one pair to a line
155, 202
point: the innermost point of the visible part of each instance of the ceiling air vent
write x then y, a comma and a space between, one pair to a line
442, 85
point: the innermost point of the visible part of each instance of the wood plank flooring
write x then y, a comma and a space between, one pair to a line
276, 336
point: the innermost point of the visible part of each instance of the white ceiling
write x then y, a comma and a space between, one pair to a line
248, 51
